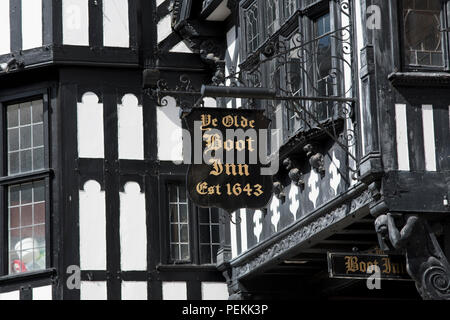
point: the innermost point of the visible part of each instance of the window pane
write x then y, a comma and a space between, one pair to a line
185, 252
13, 139
25, 113
26, 224
174, 233
25, 137
13, 116
38, 158
183, 213
174, 252
422, 36
38, 113
179, 222
25, 161
209, 236
14, 163
203, 215
205, 254
38, 135
173, 213
205, 234
182, 193
184, 233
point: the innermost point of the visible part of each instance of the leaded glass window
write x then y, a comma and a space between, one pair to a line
209, 235
272, 16
252, 27
26, 227
25, 137
323, 64
179, 223
422, 32
25, 201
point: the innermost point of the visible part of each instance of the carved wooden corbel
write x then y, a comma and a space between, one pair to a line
426, 262
278, 191
316, 159
295, 174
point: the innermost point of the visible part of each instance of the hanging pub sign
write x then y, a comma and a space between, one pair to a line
228, 158
362, 266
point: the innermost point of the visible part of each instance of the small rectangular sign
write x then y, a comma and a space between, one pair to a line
359, 266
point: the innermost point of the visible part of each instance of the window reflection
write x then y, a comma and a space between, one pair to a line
422, 35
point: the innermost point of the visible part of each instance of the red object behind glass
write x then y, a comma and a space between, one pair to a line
18, 266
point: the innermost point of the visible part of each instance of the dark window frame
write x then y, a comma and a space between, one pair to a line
399, 33
6, 180
194, 225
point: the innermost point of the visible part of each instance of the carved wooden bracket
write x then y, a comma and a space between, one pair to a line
295, 174
316, 159
426, 262
278, 191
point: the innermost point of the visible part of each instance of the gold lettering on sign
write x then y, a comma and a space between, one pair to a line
238, 122
351, 264
207, 120
213, 142
230, 169
203, 189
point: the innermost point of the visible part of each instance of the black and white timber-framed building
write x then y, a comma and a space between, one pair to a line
88, 188
92, 92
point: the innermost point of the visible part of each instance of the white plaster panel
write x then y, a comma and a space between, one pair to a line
116, 26
90, 127
75, 22
130, 129
92, 222
133, 228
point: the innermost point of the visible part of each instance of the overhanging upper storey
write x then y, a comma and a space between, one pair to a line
40, 32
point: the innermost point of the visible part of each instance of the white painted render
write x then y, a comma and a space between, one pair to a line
243, 220
31, 24
402, 137
90, 127
5, 29
10, 296
429, 137
75, 22
180, 47
130, 129
133, 229
43, 293
176, 290
92, 225
214, 291
233, 236
134, 290
164, 28
116, 30
170, 134
91, 290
